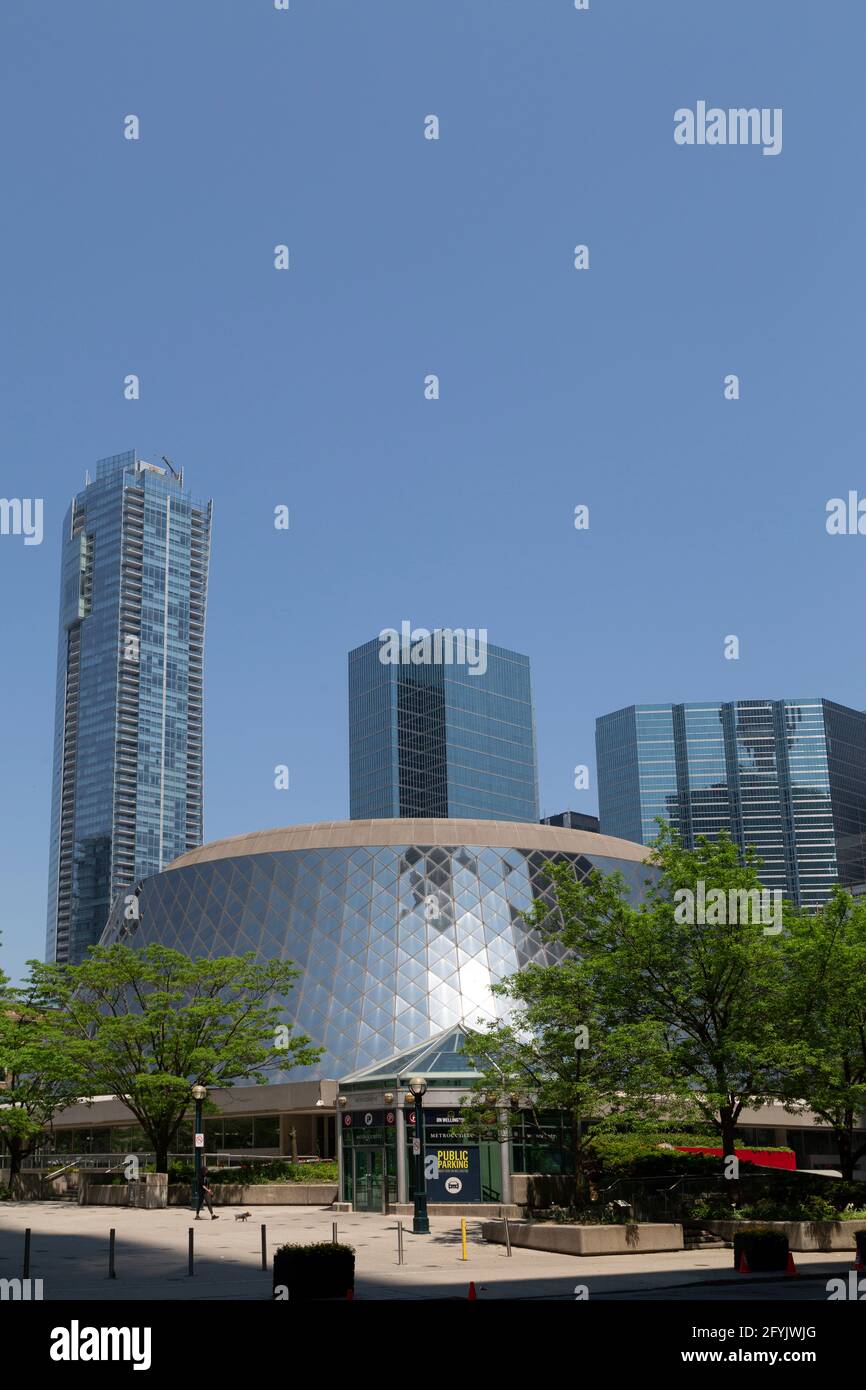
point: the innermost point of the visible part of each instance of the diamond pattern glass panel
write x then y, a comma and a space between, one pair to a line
395, 943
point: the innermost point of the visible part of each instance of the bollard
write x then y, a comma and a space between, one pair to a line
26, 1274
507, 1239
463, 1236
264, 1246
111, 1273
399, 1242
190, 1265
333, 1233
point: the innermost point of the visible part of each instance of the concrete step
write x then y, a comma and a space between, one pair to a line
696, 1238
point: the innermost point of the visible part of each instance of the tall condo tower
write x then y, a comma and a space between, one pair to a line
127, 785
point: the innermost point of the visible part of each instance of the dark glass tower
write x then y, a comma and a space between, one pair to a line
786, 776
433, 739
127, 788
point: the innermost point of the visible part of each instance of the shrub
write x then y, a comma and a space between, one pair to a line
641, 1155
252, 1174
590, 1214
277, 1170
618, 1152
765, 1249
712, 1206
324, 1270
782, 1207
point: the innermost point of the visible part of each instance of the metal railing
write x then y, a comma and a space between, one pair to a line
667, 1197
43, 1159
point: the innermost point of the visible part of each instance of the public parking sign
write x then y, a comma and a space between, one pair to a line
453, 1173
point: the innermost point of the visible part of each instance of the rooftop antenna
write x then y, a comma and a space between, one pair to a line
174, 473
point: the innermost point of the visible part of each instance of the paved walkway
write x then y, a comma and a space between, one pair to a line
69, 1252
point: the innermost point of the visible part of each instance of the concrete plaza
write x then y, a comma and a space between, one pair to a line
70, 1248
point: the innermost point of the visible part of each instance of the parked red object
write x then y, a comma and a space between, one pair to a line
762, 1158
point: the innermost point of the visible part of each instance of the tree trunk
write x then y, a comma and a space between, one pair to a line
845, 1141
728, 1128
16, 1154
161, 1151
579, 1167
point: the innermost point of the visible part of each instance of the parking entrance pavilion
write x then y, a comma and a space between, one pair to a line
465, 1171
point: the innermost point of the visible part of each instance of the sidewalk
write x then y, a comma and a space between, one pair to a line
69, 1252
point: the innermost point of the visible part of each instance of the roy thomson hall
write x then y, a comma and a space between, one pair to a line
399, 928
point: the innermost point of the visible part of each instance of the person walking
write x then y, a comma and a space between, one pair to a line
205, 1194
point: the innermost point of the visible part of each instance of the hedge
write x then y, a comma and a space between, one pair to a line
765, 1249
323, 1270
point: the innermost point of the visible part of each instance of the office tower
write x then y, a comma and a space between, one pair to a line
441, 727
573, 820
127, 786
786, 776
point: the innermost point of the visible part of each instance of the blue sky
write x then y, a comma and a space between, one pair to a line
410, 257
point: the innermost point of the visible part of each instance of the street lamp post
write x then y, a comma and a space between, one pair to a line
420, 1219
198, 1092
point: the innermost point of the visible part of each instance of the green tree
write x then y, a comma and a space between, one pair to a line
713, 989
555, 1051
826, 1015
42, 1067
156, 1022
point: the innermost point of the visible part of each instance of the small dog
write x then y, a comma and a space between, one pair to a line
242, 1215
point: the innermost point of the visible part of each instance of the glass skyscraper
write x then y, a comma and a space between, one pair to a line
435, 738
127, 786
785, 776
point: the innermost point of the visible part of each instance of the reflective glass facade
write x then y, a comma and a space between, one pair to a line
127, 787
396, 942
435, 740
786, 776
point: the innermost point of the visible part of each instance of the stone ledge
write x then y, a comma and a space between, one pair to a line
640, 1239
802, 1235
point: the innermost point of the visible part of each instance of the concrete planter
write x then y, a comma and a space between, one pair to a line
637, 1239
35, 1187
149, 1193
105, 1195
266, 1194
802, 1235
